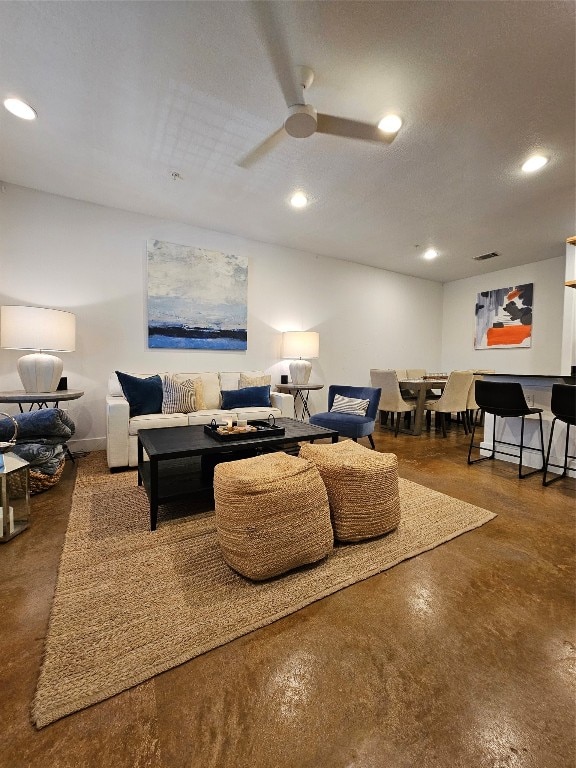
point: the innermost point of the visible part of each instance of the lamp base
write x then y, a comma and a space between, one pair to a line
300, 371
40, 372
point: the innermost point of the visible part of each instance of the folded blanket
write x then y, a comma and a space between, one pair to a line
45, 423
45, 458
43, 440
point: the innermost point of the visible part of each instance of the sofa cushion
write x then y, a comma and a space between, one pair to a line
156, 420
177, 397
206, 416
246, 397
256, 412
143, 395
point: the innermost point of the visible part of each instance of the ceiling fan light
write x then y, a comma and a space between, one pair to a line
534, 163
20, 109
390, 124
430, 254
299, 200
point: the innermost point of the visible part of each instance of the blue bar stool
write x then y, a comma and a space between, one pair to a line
504, 399
564, 409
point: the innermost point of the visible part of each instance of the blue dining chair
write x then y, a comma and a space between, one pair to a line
348, 424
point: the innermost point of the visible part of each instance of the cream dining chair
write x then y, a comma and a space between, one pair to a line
413, 373
454, 399
472, 405
391, 401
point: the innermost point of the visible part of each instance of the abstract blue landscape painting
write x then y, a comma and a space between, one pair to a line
197, 299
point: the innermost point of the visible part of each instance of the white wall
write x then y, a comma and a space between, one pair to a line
569, 326
543, 357
91, 260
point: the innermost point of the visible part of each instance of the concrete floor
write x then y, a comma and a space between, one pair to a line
461, 657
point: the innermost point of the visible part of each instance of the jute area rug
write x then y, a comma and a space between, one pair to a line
130, 604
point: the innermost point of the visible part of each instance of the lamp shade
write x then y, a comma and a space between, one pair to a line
50, 330
38, 328
297, 345
304, 344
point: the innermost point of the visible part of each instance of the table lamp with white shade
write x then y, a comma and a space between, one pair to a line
300, 347
41, 329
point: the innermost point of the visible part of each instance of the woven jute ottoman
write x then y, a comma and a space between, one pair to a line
272, 514
362, 487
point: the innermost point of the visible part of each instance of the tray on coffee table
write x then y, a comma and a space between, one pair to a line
262, 429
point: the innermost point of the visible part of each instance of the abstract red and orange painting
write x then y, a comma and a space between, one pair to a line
504, 317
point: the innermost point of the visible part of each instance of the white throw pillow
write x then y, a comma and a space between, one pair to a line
351, 405
254, 381
178, 397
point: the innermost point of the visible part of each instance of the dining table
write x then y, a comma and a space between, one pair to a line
419, 387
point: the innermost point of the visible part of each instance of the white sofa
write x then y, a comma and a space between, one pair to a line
121, 430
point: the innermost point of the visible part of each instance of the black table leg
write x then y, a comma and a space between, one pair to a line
153, 493
140, 460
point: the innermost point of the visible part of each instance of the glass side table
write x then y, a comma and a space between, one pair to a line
14, 495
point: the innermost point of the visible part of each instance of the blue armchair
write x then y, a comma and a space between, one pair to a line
348, 424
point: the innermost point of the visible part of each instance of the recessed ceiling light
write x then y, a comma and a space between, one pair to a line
299, 200
431, 253
534, 163
20, 109
390, 124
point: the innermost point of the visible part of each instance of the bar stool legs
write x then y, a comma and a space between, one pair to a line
521, 475
563, 406
534, 471
546, 482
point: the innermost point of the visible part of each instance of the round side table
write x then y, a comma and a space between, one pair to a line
41, 399
302, 393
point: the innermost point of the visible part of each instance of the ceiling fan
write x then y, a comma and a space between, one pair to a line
303, 121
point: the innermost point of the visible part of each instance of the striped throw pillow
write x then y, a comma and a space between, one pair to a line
178, 397
351, 405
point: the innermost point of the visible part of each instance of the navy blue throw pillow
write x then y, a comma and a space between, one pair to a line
143, 395
247, 397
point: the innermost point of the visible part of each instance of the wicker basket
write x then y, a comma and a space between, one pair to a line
272, 514
362, 487
38, 481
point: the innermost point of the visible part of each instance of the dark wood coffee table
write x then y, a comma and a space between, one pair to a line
171, 473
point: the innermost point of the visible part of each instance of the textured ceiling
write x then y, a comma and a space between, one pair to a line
127, 92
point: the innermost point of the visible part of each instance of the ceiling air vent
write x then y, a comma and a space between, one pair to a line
485, 256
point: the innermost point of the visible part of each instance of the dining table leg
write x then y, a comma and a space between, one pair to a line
418, 416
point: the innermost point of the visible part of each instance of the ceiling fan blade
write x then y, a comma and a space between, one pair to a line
352, 129
263, 148
267, 16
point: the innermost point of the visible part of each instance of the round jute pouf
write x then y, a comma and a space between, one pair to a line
272, 514
362, 487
